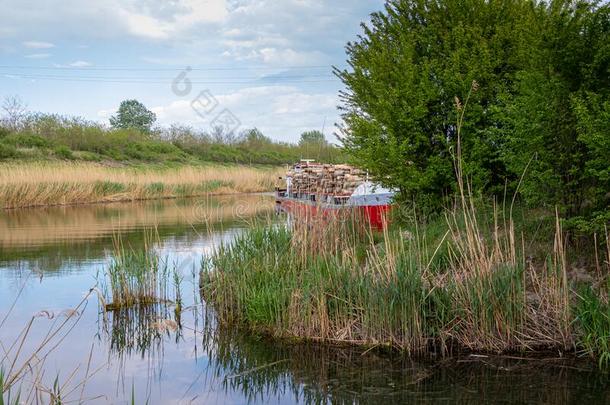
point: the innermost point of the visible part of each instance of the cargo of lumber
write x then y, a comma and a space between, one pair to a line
327, 179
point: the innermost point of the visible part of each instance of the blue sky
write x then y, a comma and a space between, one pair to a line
267, 62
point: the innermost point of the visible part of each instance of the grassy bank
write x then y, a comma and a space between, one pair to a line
59, 183
54, 137
464, 282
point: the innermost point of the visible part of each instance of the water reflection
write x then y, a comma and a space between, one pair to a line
64, 238
164, 355
311, 373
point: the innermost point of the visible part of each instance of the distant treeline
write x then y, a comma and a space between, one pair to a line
538, 118
44, 136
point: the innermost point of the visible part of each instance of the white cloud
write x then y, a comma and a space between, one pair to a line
80, 63
37, 56
38, 45
282, 112
159, 23
147, 19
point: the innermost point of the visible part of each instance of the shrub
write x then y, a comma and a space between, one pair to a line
26, 140
8, 151
63, 152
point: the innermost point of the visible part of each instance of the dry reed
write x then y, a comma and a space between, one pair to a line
42, 184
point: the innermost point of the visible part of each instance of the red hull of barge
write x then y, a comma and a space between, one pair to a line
375, 215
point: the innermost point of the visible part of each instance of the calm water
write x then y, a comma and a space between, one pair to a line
51, 258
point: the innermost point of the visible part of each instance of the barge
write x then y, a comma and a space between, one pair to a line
314, 190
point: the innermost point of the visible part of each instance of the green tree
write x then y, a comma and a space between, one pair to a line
312, 137
558, 120
255, 140
132, 114
542, 72
407, 70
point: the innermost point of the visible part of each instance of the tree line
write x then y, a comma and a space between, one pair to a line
133, 136
538, 122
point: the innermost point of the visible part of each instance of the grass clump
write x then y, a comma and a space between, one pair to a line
136, 277
141, 300
336, 282
593, 320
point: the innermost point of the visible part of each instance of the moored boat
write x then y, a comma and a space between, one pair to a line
319, 190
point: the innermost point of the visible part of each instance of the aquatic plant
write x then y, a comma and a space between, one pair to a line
60, 183
480, 295
136, 277
593, 312
140, 291
593, 319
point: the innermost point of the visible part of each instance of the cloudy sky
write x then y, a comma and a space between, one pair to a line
266, 63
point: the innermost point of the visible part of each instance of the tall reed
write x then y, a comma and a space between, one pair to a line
41, 184
138, 276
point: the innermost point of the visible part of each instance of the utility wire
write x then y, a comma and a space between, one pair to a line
207, 68
192, 78
157, 81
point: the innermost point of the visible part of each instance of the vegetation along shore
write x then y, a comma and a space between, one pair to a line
499, 239
60, 183
469, 280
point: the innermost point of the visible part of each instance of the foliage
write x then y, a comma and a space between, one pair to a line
43, 134
540, 111
312, 137
332, 281
64, 152
132, 114
558, 112
593, 319
8, 151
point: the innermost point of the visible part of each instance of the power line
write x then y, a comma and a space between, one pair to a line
207, 68
192, 78
163, 81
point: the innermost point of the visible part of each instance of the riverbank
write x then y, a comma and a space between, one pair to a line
468, 282
35, 184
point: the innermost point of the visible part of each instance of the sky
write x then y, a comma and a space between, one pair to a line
233, 63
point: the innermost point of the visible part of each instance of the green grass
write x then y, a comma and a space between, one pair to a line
593, 321
467, 286
137, 277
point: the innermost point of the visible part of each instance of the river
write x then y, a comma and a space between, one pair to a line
51, 258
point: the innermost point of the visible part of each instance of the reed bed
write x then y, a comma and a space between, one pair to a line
139, 277
64, 183
473, 290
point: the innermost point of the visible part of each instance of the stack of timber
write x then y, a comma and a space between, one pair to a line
326, 179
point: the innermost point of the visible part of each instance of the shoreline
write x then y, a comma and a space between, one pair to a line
472, 290
127, 200
38, 185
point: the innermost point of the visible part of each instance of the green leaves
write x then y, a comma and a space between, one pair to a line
133, 115
544, 81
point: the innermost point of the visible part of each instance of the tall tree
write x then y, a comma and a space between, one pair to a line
132, 114
557, 135
312, 137
542, 72
407, 70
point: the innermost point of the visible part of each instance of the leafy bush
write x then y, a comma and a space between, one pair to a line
27, 140
63, 152
8, 151
541, 109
